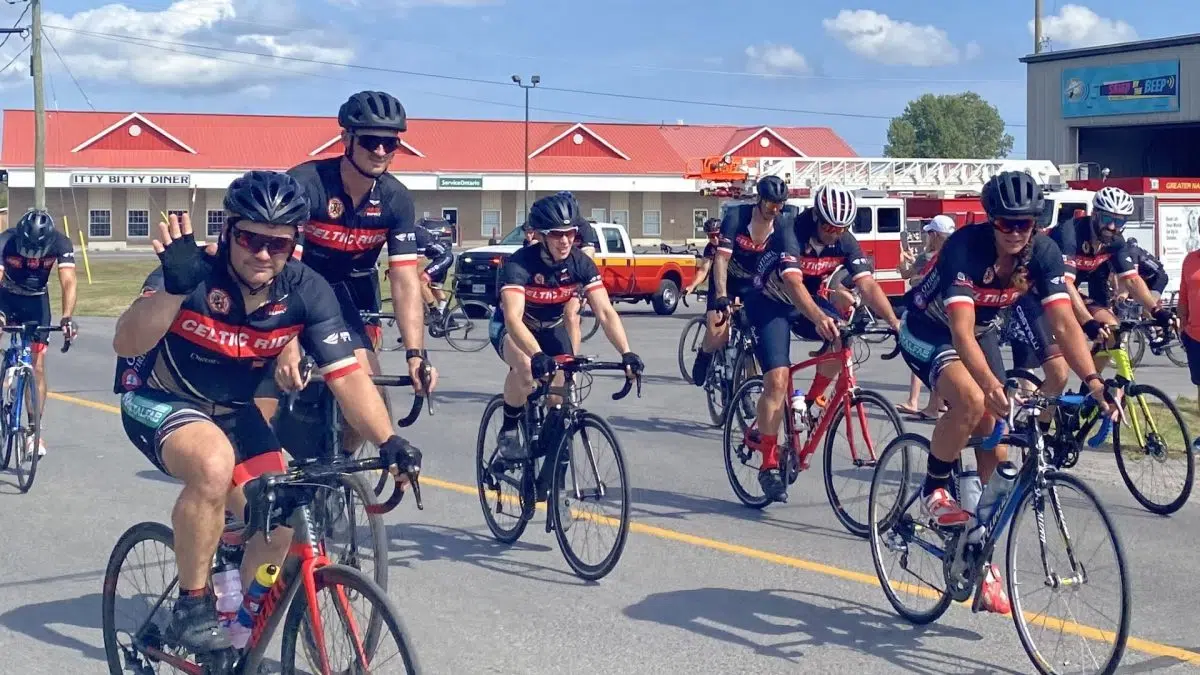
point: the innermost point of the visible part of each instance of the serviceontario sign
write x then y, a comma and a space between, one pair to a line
1132, 88
127, 180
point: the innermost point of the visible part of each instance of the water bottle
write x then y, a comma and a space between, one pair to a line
799, 410
969, 491
244, 625
227, 585
997, 489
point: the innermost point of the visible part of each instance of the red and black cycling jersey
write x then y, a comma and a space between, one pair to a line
30, 275
1090, 262
965, 275
752, 265
215, 353
340, 237
438, 252
818, 261
547, 285
710, 252
1149, 268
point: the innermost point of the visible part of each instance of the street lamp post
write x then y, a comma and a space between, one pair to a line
533, 82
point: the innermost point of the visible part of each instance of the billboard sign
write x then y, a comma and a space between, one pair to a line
1131, 88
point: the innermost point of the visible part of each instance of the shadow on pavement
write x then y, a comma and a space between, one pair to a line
39, 621
681, 505
440, 396
425, 543
157, 476
781, 623
662, 424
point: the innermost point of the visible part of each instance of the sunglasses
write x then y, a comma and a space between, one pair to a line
830, 228
369, 143
561, 234
255, 242
1014, 225
1109, 220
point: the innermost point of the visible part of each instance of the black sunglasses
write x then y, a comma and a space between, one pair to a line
369, 143
255, 242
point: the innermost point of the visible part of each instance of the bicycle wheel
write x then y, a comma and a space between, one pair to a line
25, 440
589, 323
353, 537
1176, 354
689, 343
6, 453
577, 469
466, 325
717, 388
120, 648
1135, 346
511, 513
896, 529
863, 443
1159, 439
365, 650
737, 454
1063, 585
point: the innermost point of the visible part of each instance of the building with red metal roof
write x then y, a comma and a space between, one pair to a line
115, 172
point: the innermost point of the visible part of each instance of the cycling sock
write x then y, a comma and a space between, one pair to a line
769, 452
512, 415
936, 476
819, 384
194, 593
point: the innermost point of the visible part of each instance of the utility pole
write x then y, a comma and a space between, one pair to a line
39, 107
1037, 26
533, 82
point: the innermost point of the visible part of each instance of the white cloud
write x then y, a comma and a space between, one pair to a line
216, 23
896, 43
972, 50
1078, 26
772, 59
412, 4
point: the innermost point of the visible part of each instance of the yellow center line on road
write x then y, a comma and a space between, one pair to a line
1088, 632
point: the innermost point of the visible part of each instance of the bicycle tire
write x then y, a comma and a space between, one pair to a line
858, 529
5, 450
582, 569
743, 364
1014, 588
684, 370
1138, 390
467, 307
717, 390
503, 535
33, 411
588, 331
1174, 356
362, 494
147, 531
726, 441
1135, 346
939, 608
360, 584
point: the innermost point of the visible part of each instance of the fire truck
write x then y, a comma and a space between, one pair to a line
895, 195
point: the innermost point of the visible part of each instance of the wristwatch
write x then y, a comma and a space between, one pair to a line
1091, 377
416, 353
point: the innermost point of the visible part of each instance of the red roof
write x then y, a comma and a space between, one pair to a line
80, 139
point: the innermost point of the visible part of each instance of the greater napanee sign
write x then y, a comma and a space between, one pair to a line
131, 180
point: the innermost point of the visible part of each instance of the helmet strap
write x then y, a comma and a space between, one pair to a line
348, 154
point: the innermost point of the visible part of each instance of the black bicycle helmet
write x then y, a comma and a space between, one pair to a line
1012, 194
553, 213
270, 197
372, 110
34, 232
712, 226
771, 189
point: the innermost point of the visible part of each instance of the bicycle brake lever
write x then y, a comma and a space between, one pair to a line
639, 385
426, 381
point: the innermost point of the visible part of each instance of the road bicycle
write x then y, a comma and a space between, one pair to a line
292, 599
20, 408
568, 470
1149, 335
960, 556
731, 365
802, 433
463, 323
1158, 444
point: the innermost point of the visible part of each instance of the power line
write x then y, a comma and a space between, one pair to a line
14, 58
17, 23
68, 69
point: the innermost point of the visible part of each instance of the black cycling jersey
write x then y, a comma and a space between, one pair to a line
710, 252
818, 261
1090, 262
965, 273
216, 354
342, 238
30, 275
548, 286
751, 265
439, 254
587, 235
1149, 268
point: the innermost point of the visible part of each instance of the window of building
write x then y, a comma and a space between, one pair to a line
177, 213
492, 223
600, 215
621, 217
652, 223
100, 223
214, 221
138, 223
698, 217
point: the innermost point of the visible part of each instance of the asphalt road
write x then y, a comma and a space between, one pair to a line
705, 585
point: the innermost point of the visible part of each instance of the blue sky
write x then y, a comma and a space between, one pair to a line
865, 59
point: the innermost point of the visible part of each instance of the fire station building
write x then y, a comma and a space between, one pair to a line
112, 173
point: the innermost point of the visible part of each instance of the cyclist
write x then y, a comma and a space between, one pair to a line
441, 258
203, 330
826, 244
741, 257
27, 253
587, 241
527, 329
356, 206
715, 336
712, 230
1150, 269
531, 237
948, 337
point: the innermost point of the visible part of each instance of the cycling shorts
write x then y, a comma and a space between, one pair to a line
928, 348
360, 294
774, 323
438, 276
552, 340
19, 308
1159, 284
150, 416
1026, 331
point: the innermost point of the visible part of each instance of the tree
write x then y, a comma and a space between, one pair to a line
951, 125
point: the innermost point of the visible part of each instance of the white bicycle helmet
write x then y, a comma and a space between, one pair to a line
1113, 200
836, 205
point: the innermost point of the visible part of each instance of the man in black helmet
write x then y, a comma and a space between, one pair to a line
356, 207
28, 251
193, 348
